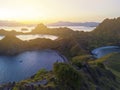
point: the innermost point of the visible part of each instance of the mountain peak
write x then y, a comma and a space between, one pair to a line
41, 26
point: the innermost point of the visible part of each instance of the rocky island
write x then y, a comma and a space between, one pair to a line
82, 71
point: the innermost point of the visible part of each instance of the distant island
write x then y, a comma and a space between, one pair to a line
7, 23
87, 24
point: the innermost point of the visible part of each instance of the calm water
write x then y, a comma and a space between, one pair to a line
29, 37
24, 65
1, 37
75, 28
102, 51
16, 28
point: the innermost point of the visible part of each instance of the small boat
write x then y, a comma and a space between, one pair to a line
20, 61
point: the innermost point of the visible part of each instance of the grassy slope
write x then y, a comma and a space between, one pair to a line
112, 62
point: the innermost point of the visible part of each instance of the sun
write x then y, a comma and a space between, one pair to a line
22, 15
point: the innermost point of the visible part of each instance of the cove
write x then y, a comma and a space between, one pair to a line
102, 51
35, 36
28, 37
26, 64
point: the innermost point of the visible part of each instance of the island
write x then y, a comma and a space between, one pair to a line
81, 71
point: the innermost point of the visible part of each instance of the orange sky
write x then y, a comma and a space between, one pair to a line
48, 11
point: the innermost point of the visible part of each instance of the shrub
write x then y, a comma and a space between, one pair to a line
67, 77
101, 65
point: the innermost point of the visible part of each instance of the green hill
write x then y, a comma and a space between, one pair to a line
109, 29
111, 61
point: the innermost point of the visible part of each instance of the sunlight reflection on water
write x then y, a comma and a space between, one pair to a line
29, 37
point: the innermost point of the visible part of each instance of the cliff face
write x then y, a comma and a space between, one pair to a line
10, 45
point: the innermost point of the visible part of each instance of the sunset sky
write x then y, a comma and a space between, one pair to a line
48, 11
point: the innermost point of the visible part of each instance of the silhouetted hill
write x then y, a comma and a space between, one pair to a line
10, 45
109, 25
107, 33
90, 24
5, 32
42, 29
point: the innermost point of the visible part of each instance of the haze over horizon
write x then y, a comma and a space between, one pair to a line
49, 11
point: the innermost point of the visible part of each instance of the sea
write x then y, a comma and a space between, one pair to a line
75, 28
52, 37
26, 64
